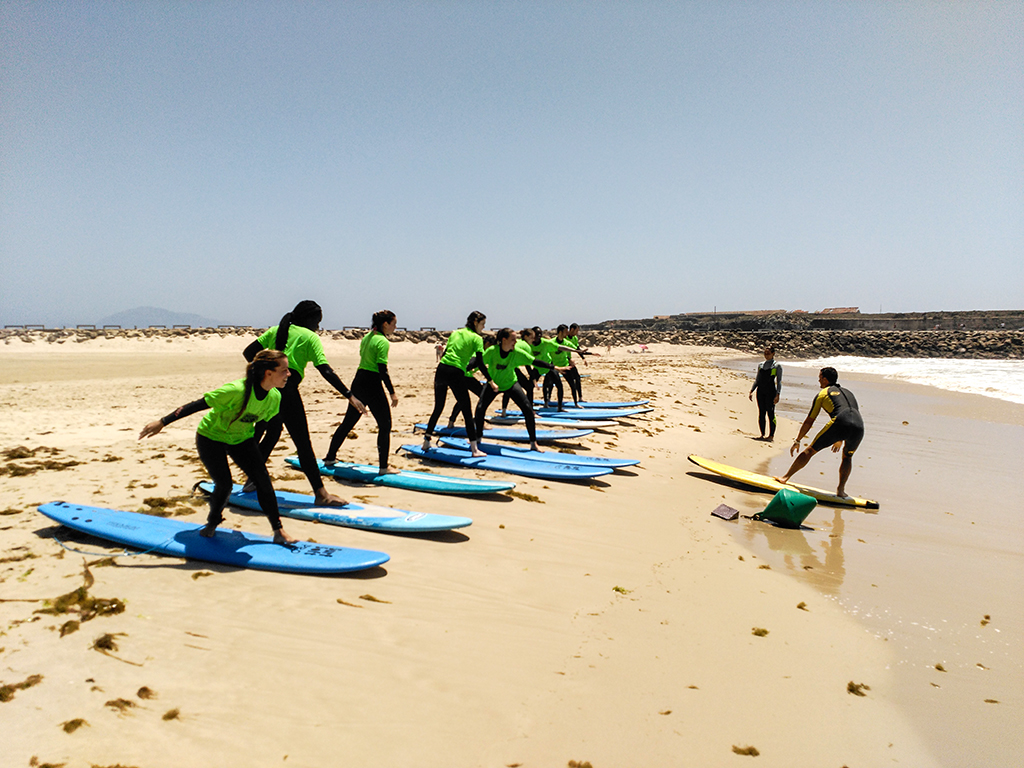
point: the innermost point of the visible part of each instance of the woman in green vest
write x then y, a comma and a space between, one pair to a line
465, 345
229, 430
368, 386
296, 336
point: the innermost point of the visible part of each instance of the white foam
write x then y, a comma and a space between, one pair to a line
1001, 379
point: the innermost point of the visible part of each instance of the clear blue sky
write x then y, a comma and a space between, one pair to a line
544, 162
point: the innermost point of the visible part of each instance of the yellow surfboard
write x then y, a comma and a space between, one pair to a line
771, 484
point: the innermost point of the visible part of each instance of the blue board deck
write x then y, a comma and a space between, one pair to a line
587, 414
522, 467
594, 404
516, 417
552, 457
302, 506
410, 481
515, 435
228, 547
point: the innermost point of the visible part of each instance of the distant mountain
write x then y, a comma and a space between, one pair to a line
143, 317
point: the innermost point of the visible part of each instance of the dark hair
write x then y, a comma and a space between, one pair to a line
379, 318
769, 348
307, 314
574, 325
562, 327
538, 334
830, 374
526, 332
474, 318
265, 360
503, 334
490, 340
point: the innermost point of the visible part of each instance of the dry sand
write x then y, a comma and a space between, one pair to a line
609, 623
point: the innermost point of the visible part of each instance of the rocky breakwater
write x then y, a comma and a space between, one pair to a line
788, 343
824, 343
32, 335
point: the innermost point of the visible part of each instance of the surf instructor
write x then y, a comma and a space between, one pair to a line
768, 386
845, 428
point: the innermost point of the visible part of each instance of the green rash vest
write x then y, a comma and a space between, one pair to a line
545, 350
503, 369
220, 424
463, 345
373, 350
303, 347
561, 359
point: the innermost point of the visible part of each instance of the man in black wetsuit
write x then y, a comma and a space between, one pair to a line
844, 430
768, 385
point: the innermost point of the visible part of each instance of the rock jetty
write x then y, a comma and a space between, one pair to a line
792, 344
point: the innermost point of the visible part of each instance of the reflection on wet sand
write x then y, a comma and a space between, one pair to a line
825, 568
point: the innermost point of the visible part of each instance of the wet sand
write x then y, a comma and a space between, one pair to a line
613, 622
939, 571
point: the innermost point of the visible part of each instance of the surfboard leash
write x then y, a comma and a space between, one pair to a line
125, 553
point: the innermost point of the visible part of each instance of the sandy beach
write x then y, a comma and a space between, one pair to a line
610, 623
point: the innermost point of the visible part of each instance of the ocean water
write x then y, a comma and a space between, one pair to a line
1001, 379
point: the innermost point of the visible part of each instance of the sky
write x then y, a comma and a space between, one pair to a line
542, 162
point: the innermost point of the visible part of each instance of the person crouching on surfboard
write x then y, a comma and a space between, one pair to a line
229, 430
844, 430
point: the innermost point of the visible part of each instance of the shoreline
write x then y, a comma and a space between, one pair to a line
604, 622
943, 464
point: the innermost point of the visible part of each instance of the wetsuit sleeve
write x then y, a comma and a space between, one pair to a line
332, 378
186, 410
252, 350
816, 405
542, 364
382, 369
479, 362
778, 379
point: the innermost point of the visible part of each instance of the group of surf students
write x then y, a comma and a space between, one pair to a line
245, 417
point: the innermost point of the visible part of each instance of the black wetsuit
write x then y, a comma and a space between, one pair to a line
846, 423
454, 378
214, 455
293, 416
368, 387
768, 385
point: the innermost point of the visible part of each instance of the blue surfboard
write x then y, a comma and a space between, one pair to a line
594, 404
522, 467
410, 481
370, 517
515, 435
228, 547
552, 457
587, 414
516, 417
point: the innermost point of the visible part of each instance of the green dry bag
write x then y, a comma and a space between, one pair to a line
788, 508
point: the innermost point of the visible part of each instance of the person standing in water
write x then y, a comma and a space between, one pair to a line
768, 385
465, 345
845, 428
229, 430
296, 336
368, 387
